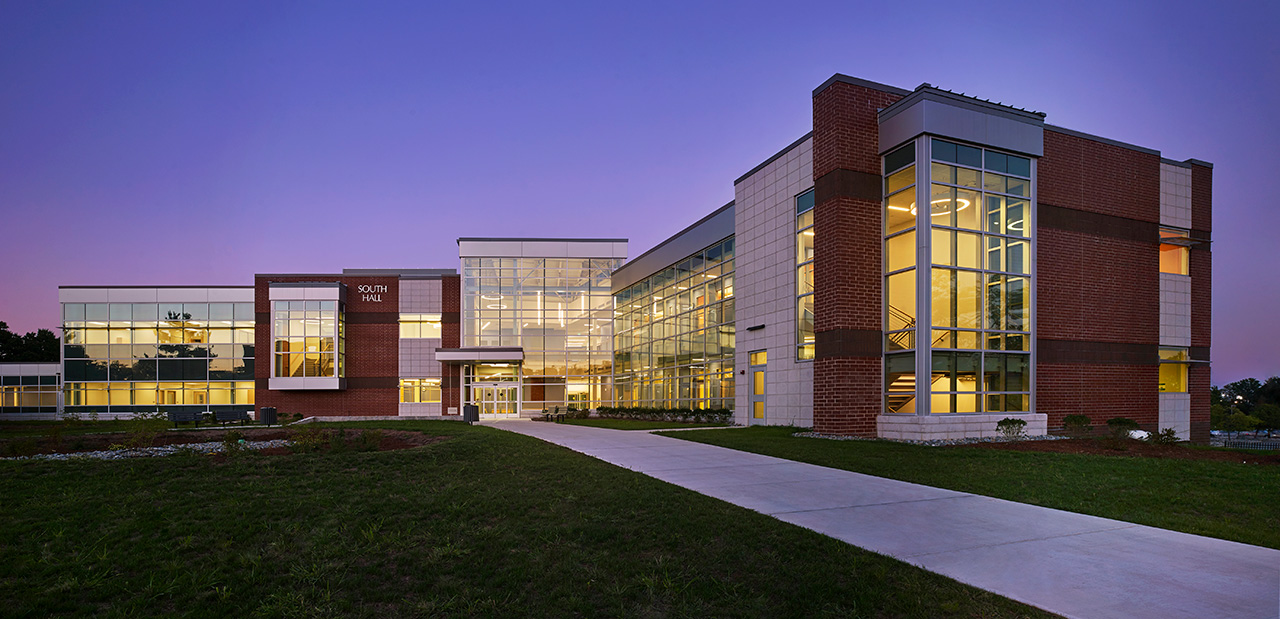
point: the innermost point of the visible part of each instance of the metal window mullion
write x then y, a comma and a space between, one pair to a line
1029, 226
924, 276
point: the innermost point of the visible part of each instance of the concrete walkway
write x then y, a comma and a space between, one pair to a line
1066, 563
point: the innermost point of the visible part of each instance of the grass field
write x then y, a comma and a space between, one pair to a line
484, 523
1239, 502
636, 424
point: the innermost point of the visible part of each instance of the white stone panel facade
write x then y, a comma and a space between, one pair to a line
418, 355
765, 287
420, 296
1175, 310
1175, 196
1175, 412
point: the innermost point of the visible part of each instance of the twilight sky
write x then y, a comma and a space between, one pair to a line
161, 143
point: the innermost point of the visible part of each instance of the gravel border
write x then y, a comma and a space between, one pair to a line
151, 452
934, 442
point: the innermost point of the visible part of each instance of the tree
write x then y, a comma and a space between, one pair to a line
1239, 422
1269, 414
1270, 390
1218, 414
40, 346
1243, 394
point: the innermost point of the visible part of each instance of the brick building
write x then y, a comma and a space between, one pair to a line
1052, 273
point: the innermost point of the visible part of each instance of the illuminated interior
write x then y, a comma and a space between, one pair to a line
979, 281
559, 311
805, 346
307, 339
139, 357
675, 334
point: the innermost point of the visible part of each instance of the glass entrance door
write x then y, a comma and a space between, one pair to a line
495, 400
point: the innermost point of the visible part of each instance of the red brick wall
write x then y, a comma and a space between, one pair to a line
1097, 287
1099, 391
847, 395
847, 389
372, 352
1201, 269
846, 129
451, 337
1087, 175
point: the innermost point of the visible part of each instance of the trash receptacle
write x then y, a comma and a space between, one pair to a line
267, 415
470, 413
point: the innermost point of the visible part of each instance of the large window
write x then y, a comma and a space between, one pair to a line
976, 292
675, 334
1175, 251
308, 339
414, 326
419, 390
900, 279
1173, 370
804, 276
558, 310
123, 357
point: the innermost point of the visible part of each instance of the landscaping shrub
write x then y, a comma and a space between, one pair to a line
698, 415
1121, 426
1077, 425
1011, 427
1167, 436
306, 439
369, 440
233, 443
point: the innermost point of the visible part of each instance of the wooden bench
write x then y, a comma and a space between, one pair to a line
223, 417
178, 417
555, 415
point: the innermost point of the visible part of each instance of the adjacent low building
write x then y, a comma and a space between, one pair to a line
920, 265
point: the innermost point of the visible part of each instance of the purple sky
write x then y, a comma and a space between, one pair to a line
169, 143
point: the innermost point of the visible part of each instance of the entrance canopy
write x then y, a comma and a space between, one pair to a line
479, 354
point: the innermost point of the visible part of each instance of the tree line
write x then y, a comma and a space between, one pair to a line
40, 346
1248, 404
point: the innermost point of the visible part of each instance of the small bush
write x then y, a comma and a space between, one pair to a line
1077, 425
1167, 436
233, 443
698, 415
140, 438
369, 440
1121, 426
338, 441
18, 447
306, 439
1011, 427
55, 434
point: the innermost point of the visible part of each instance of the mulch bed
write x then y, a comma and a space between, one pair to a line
1134, 449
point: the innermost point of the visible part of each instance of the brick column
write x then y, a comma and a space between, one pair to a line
847, 373
1201, 263
451, 337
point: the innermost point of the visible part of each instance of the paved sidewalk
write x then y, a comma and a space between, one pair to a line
1066, 563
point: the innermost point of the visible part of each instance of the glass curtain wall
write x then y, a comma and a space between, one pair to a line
28, 394
978, 284
309, 339
141, 357
804, 276
559, 310
675, 342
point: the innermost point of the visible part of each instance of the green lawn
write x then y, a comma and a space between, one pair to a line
636, 424
1239, 502
484, 522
